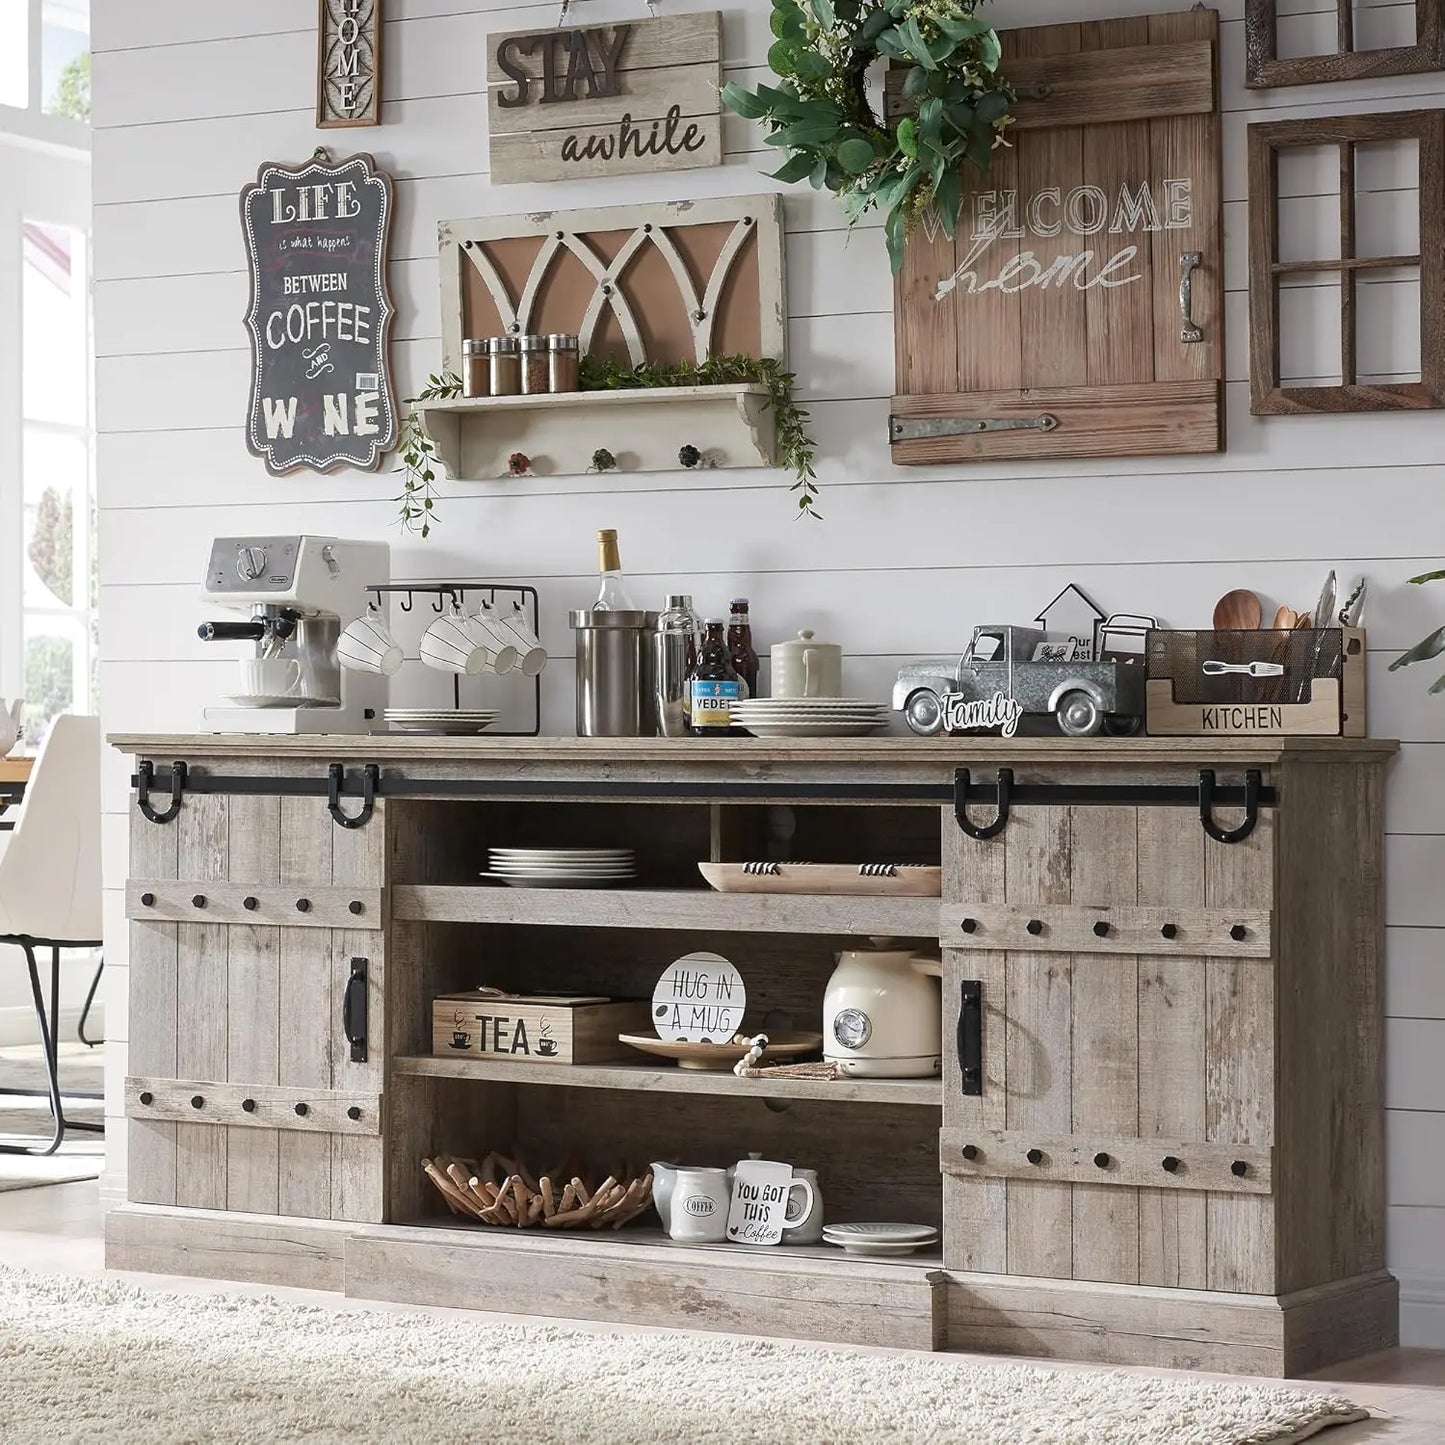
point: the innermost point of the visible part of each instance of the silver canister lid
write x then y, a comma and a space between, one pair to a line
501, 345
677, 601
591, 618
474, 346
534, 343
561, 341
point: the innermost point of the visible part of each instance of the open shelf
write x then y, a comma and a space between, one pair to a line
696, 909
653, 1243
644, 428
918, 1092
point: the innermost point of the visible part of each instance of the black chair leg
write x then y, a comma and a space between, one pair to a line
48, 1047
90, 999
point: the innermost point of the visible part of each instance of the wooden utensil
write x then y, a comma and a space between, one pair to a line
1285, 619
1237, 611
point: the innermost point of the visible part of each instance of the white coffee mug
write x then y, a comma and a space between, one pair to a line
366, 646
501, 649
271, 677
449, 645
699, 1206
529, 645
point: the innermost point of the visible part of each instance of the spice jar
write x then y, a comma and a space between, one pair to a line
562, 361
504, 366
475, 381
534, 365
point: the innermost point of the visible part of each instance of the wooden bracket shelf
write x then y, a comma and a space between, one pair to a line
917, 1092
683, 908
732, 426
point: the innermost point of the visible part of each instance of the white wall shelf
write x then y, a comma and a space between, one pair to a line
731, 425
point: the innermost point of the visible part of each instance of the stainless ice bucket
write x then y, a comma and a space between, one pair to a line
614, 674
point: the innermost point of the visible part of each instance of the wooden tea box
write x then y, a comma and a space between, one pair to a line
536, 1028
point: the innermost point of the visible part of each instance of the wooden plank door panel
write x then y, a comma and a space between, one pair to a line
975, 1211
1171, 1050
151, 1145
1078, 236
1038, 1045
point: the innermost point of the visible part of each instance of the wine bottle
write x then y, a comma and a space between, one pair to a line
612, 595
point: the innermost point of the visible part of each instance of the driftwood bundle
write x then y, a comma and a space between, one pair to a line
503, 1191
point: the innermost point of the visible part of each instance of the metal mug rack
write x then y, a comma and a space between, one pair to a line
455, 590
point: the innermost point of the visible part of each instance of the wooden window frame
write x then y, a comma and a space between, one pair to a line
1268, 396
1264, 69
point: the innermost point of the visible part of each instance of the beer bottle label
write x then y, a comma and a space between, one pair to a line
712, 703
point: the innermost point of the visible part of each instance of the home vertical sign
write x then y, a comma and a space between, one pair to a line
605, 100
320, 315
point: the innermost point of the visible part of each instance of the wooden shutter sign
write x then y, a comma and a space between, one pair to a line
1079, 311
605, 100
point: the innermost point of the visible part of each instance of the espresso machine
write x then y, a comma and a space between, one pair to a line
296, 595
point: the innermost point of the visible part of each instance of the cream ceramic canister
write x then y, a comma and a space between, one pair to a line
804, 667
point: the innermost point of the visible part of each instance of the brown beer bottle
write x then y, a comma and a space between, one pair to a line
715, 687
740, 645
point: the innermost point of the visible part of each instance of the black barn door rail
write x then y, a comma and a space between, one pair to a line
1004, 795
367, 783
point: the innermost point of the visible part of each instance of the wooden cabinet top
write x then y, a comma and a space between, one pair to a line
923, 755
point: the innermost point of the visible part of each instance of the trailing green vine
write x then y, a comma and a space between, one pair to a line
957, 105
796, 447
419, 458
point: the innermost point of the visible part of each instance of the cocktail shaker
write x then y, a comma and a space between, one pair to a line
674, 655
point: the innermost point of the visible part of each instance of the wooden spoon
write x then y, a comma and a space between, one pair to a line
1237, 611
1285, 619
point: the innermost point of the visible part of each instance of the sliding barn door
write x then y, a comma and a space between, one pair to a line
1079, 310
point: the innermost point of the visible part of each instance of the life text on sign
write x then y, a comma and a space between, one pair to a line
1082, 213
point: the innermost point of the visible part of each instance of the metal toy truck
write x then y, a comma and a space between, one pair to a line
999, 676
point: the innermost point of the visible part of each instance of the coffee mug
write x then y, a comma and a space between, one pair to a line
501, 650
366, 646
271, 677
514, 625
449, 645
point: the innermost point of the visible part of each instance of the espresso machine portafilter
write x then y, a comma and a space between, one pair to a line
296, 595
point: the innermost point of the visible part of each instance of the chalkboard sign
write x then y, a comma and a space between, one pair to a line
320, 315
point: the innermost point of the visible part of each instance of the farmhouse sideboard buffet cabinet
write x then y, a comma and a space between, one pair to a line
1157, 1139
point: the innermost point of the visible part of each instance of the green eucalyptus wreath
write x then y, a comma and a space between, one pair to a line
820, 113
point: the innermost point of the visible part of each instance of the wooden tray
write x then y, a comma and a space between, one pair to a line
717, 1058
835, 879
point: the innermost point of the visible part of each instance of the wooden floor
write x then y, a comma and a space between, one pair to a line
59, 1229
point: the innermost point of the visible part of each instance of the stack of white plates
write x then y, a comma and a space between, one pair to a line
810, 717
440, 719
880, 1239
562, 867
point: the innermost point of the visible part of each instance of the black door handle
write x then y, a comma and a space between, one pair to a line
970, 1035
353, 1011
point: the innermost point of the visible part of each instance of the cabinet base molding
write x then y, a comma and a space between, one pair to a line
774, 1292
219, 1244
1177, 1329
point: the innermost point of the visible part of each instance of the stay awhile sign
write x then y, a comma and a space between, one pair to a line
320, 315
602, 100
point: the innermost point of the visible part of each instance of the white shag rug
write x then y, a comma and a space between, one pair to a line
100, 1360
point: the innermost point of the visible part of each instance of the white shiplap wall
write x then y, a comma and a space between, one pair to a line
191, 98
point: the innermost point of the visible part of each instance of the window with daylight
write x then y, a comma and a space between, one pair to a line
48, 575
1289, 44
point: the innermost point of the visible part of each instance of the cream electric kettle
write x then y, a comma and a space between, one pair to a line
883, 1013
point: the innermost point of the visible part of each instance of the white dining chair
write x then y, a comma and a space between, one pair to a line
50, 883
